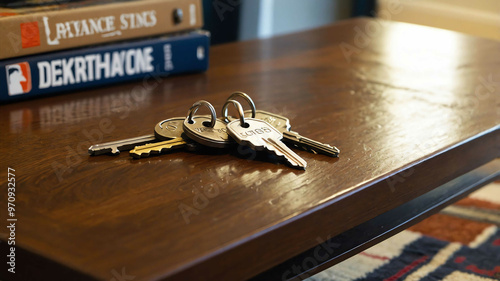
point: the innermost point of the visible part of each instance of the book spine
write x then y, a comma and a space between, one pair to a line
78, 69
39, 32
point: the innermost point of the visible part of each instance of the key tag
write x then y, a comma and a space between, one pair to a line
169, 128
206, 130
234, 95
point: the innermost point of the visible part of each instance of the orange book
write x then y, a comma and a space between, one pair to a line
34, 29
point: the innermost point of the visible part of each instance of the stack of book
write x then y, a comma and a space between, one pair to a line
49, 47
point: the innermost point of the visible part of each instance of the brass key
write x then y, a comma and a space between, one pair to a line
171, 132
158, 147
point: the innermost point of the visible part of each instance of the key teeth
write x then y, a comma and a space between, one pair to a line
307, 144
145, 154
142, 154
309, 149
293, 164
137, 156
333, 151
298, 163
97, 150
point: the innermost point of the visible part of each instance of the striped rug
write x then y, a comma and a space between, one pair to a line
461, 243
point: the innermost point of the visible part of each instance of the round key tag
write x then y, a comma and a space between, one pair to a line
169, 128
205, 130
172, 128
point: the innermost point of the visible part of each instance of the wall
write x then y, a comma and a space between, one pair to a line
265, 18
477, 17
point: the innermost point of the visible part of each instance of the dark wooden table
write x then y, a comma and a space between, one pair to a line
415, 112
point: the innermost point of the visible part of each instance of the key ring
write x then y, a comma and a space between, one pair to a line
238, 94
238, 107
197, 105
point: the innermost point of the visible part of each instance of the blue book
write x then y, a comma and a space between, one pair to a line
78, 69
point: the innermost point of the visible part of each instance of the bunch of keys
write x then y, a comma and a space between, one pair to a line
262, 131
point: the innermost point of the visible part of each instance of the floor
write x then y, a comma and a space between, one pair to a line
461, 243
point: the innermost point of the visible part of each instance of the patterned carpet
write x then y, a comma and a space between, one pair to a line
461, 243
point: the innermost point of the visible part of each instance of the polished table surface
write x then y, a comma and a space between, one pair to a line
410, 108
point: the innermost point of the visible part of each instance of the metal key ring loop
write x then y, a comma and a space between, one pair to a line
197, 105
244, 96
238, 107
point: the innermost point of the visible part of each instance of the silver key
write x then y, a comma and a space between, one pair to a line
170, 131
260, 135
208, 131
283, 125
115, 147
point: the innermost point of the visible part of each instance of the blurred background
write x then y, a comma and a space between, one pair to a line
233, 20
